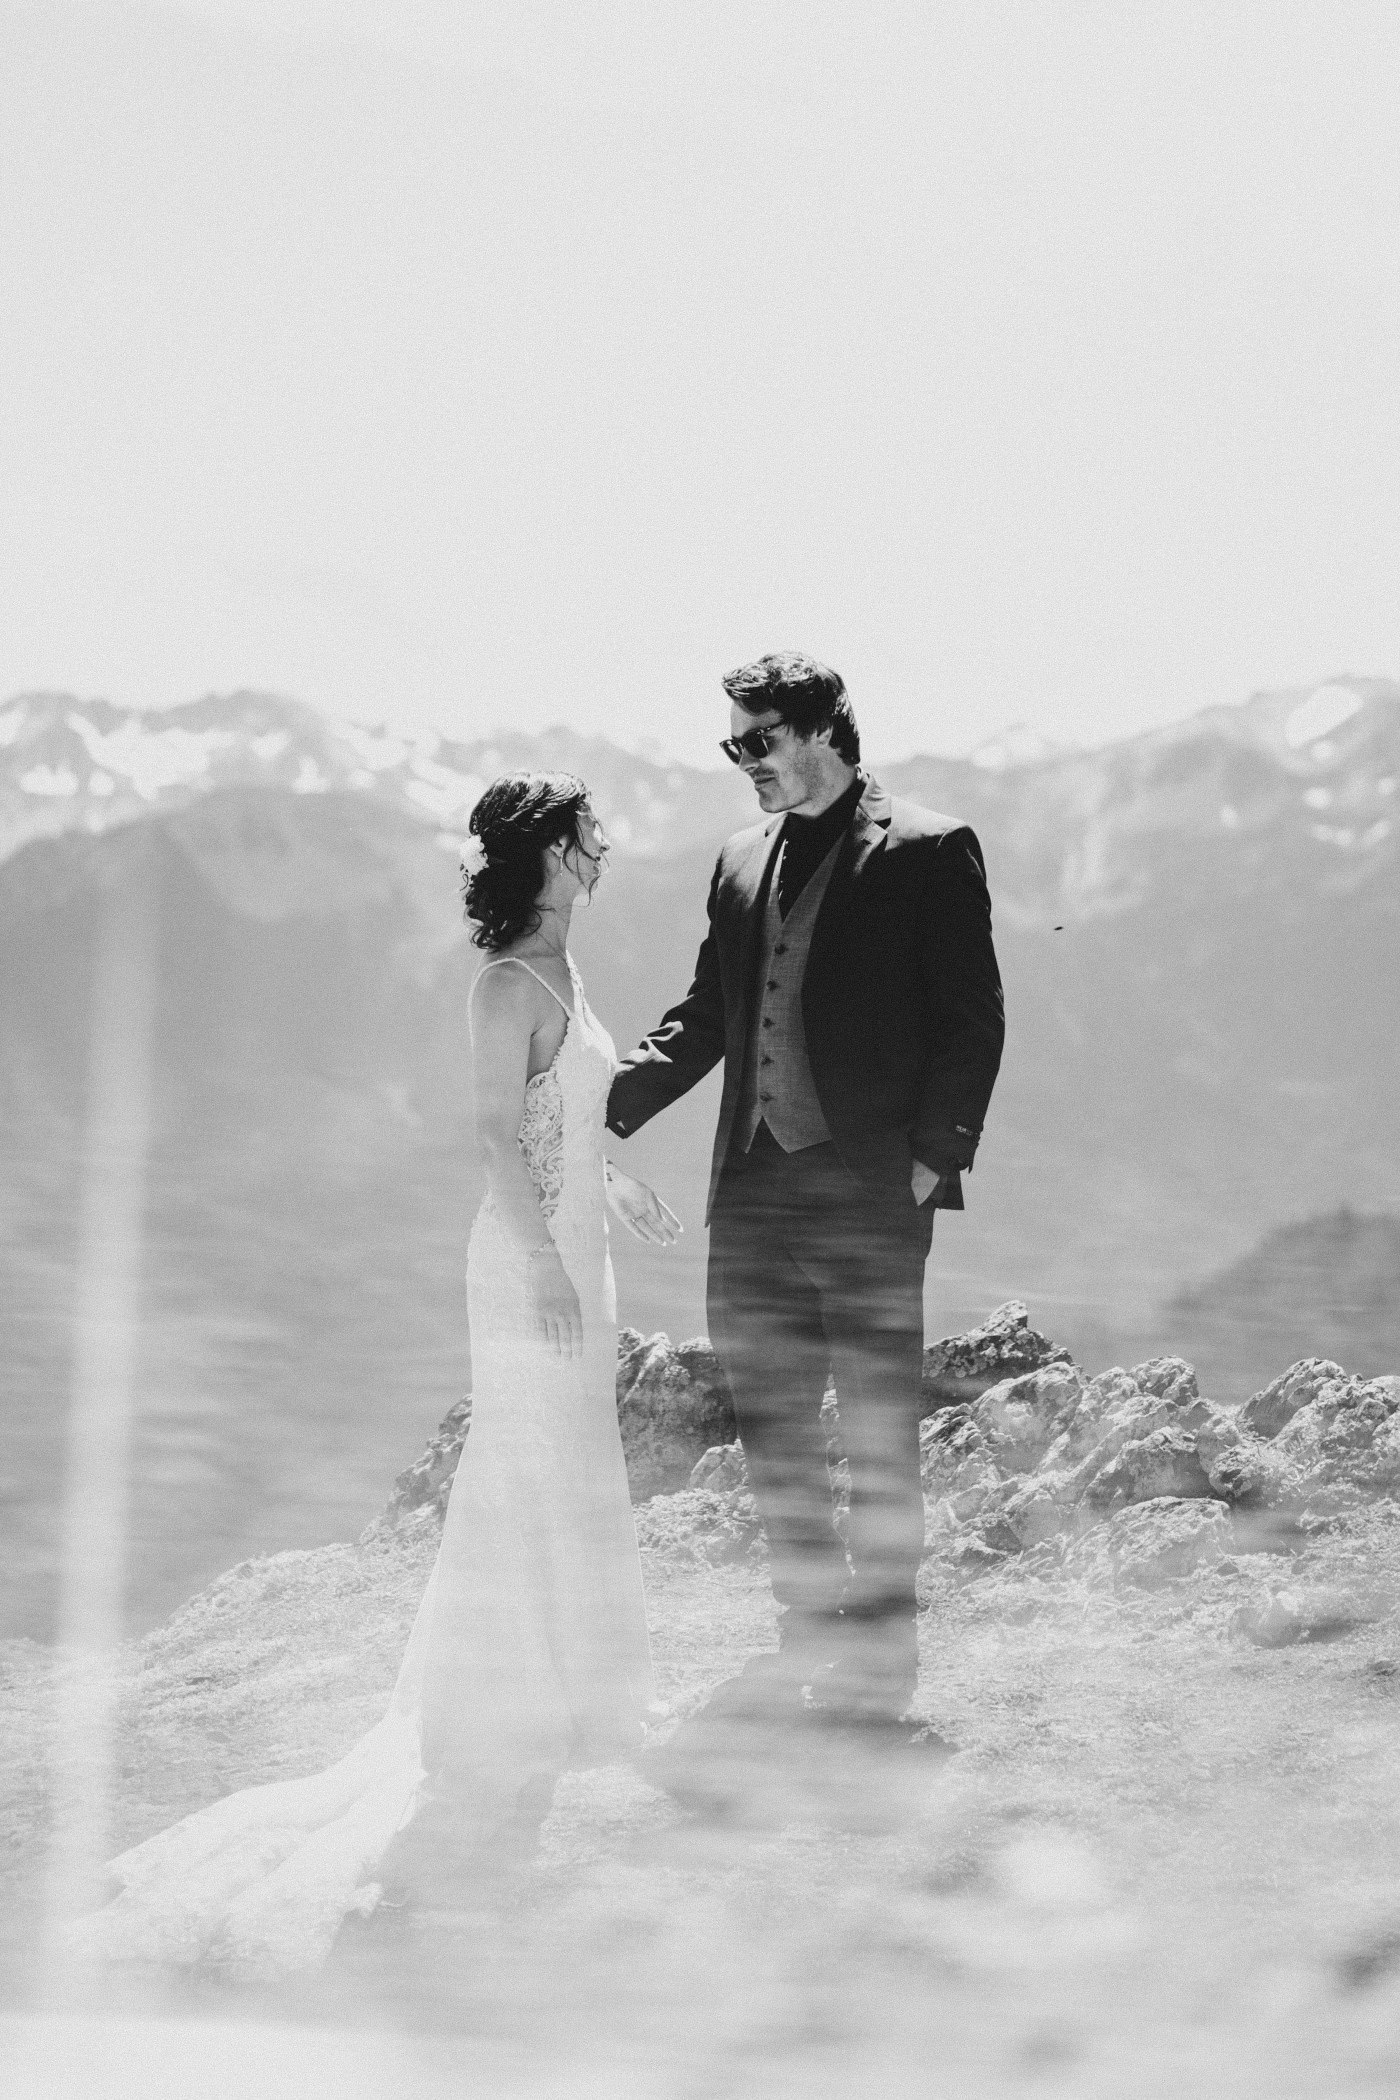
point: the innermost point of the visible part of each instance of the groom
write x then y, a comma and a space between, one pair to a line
849, 983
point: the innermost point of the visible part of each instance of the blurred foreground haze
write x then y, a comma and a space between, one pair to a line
481, 366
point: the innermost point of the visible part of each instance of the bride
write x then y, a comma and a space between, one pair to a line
529, 1652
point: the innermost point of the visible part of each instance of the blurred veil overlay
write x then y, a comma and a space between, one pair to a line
108, 1260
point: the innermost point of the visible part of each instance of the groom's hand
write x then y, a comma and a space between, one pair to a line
923, 1181
641, 1210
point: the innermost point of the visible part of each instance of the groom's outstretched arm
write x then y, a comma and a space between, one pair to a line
688, 1043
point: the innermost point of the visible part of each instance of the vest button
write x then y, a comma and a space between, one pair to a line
781, 948
773, 985
766, 1022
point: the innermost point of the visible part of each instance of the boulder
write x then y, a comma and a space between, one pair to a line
1115, 1410
427, 1483
699, 1525
962, 1366
1041, 1509
1305, 1613
1345, 1443
1163, 1463
1030, 1456
1270, 1411
723, 1468
973, 1556
1021, 1418
1251, 1474
1109, 1389
673, 1405
673, 1408
1168, 1378
1242, 1468
955, 1460
1164, 1539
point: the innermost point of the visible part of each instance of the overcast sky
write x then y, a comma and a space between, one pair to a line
522, 363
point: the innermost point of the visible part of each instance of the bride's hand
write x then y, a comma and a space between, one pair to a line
641, 1210
554, 1301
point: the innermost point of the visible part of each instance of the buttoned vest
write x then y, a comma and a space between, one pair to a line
778, 1086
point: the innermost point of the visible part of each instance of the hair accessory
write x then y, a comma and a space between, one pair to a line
473, 857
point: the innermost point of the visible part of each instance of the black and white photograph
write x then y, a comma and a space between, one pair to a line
699, 1024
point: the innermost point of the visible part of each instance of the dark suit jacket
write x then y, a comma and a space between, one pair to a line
901, 1001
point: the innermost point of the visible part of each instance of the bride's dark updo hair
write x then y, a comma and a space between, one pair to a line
518, 816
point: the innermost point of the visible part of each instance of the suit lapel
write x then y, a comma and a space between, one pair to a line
869, 828
751, 889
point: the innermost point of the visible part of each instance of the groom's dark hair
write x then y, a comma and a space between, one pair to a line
804, 692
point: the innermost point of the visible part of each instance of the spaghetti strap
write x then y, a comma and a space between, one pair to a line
534, 973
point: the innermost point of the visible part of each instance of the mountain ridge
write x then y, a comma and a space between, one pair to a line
1248, 779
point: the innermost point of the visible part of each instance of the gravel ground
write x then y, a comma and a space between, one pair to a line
1165, 1860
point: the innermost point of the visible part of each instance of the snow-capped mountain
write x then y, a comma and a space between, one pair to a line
70, 765
1293, 784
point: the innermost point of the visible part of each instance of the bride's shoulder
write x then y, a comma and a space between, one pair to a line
505, 994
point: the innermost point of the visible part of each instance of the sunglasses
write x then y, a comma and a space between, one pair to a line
754, 743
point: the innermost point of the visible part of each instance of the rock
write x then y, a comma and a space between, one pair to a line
1270, 1411
427, 1483
1241, 1467
1110, 1389
973, 1556
1250, 1474
673, 1408
1128, 1424
1116, 1410
1164, 1463
1041, 1510
698, 1525
723, 1468
673, 1405
1024, 1459
1345, 1443
962, 1366
1153, 1542
970, 1501
1301, 1614
1168, 1378
1021, 1418
953, 1455
1218, 1430
1164, 1539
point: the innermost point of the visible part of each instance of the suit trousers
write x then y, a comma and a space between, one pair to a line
812, 1273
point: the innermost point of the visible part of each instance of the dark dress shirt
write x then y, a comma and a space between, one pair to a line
808, 840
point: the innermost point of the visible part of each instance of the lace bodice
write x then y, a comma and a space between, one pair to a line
542, 1134
561, 1126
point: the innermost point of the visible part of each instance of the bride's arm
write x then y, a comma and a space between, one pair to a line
505, 1017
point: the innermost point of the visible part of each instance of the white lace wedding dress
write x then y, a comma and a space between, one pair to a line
529, 1651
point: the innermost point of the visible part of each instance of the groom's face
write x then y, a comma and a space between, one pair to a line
789, 775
